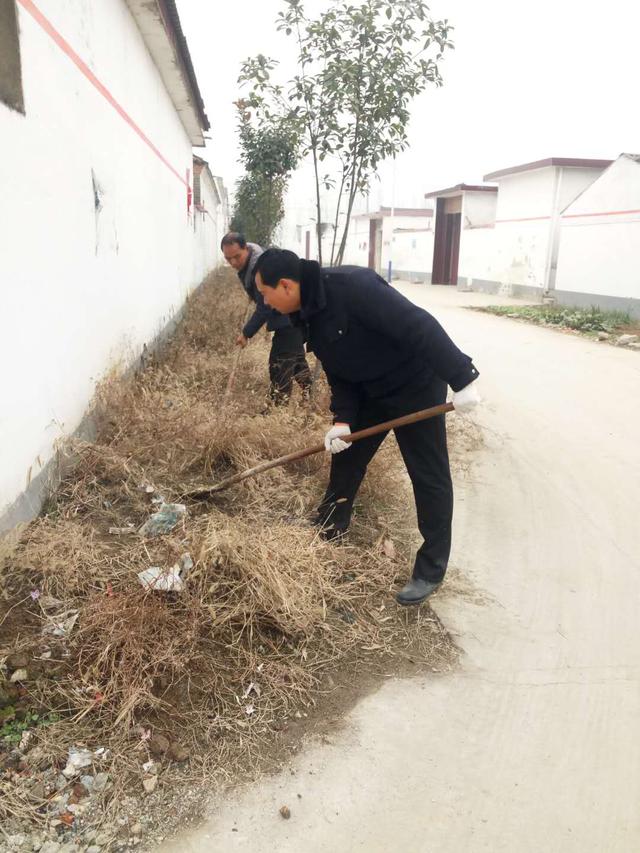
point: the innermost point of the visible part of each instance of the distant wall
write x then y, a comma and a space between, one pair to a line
99, 250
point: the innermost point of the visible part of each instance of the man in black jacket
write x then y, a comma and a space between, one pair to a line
384, 357
286, 359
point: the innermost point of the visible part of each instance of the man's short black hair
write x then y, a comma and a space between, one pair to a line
233, 237
274, 264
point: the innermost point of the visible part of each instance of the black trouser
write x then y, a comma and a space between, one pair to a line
424, 449
286, 363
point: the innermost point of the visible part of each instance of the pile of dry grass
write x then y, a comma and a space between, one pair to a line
267, 606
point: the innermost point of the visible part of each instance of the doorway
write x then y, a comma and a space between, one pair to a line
446, 250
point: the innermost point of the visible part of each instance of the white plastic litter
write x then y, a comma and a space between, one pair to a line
167, 580
78, 758
61, 624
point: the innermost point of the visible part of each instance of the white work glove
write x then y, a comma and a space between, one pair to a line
467, 398
332, 441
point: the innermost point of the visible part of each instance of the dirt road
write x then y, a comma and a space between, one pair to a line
534, 744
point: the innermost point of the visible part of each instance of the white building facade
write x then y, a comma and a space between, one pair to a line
599, 256
101, 241
517, 254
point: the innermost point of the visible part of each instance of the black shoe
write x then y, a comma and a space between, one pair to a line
416, 591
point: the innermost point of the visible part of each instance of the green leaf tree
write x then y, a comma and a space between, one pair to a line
358, 69
269, 153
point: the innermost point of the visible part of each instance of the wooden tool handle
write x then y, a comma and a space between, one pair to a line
405, 420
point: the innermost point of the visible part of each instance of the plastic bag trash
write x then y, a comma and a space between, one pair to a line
167, 580
78, 758
48, 602
164, 520
62, 624
19, 675
122, 531
252, 688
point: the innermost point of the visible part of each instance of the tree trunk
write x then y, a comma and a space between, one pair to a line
318, 207
335, 223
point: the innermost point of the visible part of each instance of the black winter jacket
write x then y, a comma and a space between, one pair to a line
263, 314
370, 339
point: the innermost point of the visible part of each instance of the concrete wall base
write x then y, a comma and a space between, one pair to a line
607, 303
29, 504
414, 276
497, 288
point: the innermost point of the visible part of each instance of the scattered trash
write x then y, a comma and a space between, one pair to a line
62, 624
48, 602
19, 675
122, 531
35, 594
78, 758
253, 687
164, 520
285, 812
100, 781
249, 710
167, 580
150, 767
389, 549
149, 784
88, 782
79, 791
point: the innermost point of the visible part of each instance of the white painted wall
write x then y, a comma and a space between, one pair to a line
410, 247
521, 248
206, 227
523, 228
357, 250
600, 236
477, 237
479, 209
83, 290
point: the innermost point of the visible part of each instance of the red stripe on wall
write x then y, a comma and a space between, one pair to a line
604, 213
524, 219
30, 7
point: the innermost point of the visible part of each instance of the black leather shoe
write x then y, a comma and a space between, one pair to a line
416, 591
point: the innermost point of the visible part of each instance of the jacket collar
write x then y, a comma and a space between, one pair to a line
313, 297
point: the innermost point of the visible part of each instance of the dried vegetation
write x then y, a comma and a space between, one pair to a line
217, 670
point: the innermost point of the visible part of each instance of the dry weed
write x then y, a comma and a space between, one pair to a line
267, 606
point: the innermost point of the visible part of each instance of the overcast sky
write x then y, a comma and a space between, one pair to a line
525, 81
